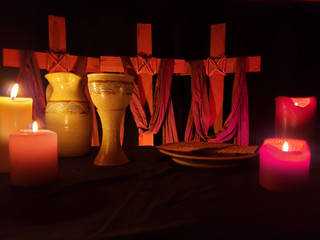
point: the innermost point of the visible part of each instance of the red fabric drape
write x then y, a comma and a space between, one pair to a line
169, 130
238, 120
215, 65
162, 102
199, 115
29, 78
135, 102
80, 69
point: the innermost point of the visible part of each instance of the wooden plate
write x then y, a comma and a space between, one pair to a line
208, 158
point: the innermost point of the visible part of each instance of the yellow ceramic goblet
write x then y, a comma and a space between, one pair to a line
110, 93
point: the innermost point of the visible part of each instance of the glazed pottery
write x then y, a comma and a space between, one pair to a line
110, 93
68, 113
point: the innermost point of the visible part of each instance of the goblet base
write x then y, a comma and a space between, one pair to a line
110, 159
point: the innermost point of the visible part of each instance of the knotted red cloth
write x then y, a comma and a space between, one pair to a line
199, 116
162, 103
238, 120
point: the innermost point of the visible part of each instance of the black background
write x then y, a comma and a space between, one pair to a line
285, 34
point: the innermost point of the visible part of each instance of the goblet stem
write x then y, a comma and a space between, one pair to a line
111, 152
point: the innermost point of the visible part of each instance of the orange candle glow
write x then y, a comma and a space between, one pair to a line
33, 157
15, 114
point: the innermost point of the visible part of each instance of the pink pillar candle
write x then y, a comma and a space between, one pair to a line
33, 157
284, 164
295, 117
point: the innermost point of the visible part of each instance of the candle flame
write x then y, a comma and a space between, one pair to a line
285, 147
34, 127
14, 91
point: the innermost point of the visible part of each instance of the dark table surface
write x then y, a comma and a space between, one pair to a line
152, 197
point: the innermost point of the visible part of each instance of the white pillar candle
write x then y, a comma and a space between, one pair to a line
15, 114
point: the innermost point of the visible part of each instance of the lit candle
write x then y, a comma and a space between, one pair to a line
33, 157
295, 117
284, 164
15, 114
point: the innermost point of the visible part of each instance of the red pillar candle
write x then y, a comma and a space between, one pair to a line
33, 157
284, 164
295, 117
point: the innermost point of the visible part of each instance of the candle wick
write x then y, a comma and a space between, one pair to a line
13, 98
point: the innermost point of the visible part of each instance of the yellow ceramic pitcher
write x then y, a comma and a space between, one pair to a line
68, 113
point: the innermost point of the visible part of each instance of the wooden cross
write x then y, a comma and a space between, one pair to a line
217, 66
217, 55
56, 60
181, 67
146, 66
